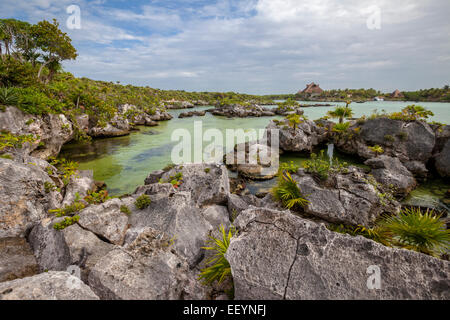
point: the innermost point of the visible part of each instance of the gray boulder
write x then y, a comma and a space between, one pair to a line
305, 137
178, 217
52, 285
49, 247
442, 161
86, 249
146, 269
345, 198
116, 127
417, 144
207, 183
106, 220
24, 199
51, 131
17, 259
79, 184
390, 172
154, 177
277, 255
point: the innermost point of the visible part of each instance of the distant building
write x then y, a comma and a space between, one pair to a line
311, 90
397, 94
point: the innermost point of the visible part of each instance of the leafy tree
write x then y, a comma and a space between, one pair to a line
55, 45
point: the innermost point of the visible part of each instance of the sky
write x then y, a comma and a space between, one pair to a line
254, 46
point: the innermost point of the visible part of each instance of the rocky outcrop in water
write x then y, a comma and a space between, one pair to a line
278, 255
390, 171
173, 104
241, 111
192, 114
348, 198
254, 160
412, 142
304, 137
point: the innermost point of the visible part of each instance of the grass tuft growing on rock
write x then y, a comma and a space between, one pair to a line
219, 268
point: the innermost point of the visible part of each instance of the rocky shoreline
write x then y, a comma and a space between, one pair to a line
149, 244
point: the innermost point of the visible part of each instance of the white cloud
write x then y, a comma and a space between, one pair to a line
259, 46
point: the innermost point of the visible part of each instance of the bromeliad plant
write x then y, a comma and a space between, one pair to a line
414, 230
288, 193
410, 229
219, 268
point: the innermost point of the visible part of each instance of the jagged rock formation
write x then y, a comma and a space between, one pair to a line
240, 111
278, 255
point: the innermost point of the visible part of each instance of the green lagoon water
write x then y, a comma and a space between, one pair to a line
124, 162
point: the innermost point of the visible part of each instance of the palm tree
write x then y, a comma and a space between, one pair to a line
294, 120
341, 112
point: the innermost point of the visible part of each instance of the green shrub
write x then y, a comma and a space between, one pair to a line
66, 169
389, 138
96, 197
289, 167
320, 166
288, 193
9, 140
142, 202
49, 187
207, 170
68, 221
377, 149
402, 135
69, 209
219, 268
125, 209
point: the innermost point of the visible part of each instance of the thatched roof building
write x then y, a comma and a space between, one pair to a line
397, 94
312, 88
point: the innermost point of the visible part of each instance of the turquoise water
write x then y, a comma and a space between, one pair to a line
441, 110
124, 162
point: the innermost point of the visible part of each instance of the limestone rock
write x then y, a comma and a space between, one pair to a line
278, 255
49, 247
390, 171
23, 198
146, 269
52, 285
17, 259
106, 220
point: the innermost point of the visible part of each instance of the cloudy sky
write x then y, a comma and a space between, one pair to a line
255, 46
